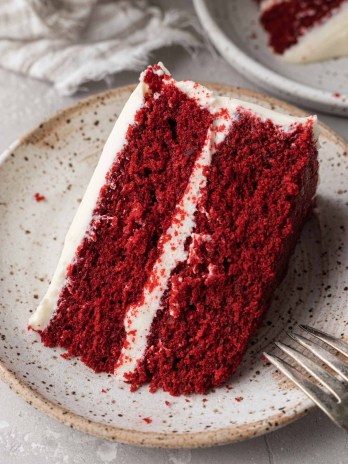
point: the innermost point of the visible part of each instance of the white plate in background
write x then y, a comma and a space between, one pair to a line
233, 27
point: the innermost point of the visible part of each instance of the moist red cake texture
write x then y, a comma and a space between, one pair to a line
258, 194
287, 21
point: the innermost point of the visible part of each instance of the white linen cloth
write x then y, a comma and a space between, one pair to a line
71, 42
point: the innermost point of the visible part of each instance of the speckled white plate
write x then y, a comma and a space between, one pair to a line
56, 160
234, 29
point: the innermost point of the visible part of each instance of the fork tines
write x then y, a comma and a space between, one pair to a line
333, 398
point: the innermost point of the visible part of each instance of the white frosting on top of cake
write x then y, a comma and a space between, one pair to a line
326, 39
140, 316
161, 70
215, 103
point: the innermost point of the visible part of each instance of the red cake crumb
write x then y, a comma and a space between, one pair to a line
167, 403
38, 197
336, 95
104, 390
239, 399
147, 420
287, 21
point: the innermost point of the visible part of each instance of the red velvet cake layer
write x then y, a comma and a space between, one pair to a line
287, 21
134, 209
259, 192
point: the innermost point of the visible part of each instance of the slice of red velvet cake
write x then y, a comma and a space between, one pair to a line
301, 31
182, 236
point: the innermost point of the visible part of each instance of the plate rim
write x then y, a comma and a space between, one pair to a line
222, 436
260, 74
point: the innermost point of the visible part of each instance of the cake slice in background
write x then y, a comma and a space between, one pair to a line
183, 235
303, 31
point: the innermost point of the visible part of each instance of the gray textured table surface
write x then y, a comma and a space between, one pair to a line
27, 436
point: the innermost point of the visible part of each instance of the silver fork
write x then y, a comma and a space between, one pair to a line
332, 397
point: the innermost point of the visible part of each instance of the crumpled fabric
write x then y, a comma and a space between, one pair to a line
72, 42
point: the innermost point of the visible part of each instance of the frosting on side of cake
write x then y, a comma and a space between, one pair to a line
80, 224
322, 42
